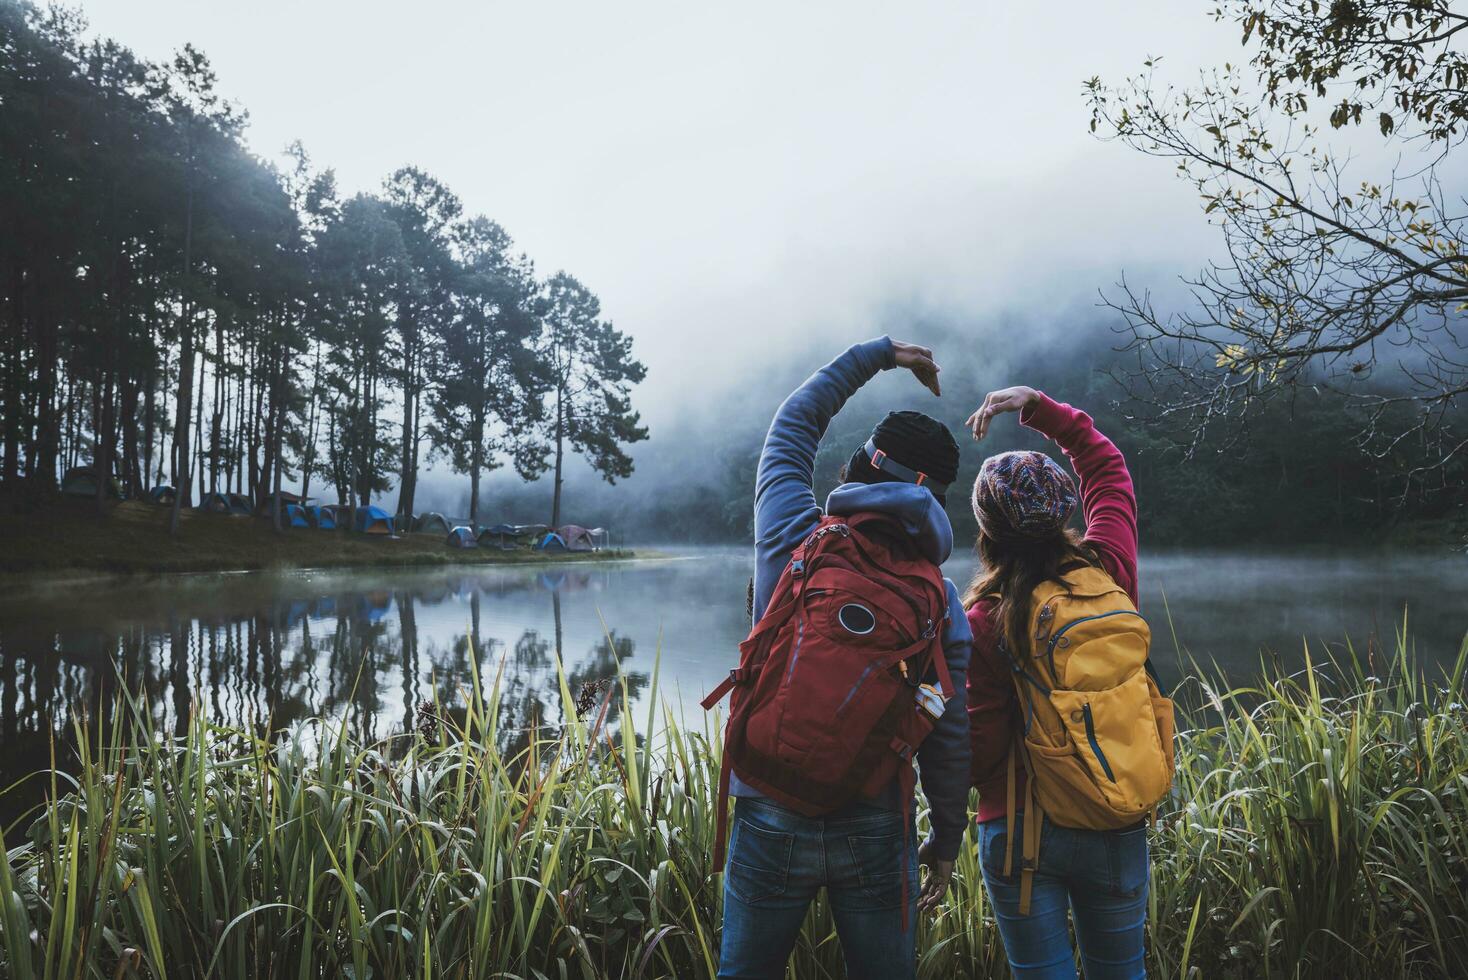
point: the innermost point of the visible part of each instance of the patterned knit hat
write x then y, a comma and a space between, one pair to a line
1023, 495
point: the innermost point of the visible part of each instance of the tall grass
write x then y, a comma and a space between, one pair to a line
1319, 830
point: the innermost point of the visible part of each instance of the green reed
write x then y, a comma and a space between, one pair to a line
1319, 829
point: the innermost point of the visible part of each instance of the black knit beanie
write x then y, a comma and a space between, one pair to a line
915, 440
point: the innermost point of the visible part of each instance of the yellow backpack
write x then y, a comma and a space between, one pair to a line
1097, 738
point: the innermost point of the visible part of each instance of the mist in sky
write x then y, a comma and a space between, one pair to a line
728, 177
749, 188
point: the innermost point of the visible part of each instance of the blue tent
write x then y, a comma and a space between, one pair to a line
322, 517
461, 537
551, 542
294, 515
372, 520
162, 494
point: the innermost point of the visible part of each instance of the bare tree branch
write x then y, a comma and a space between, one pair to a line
1354, 288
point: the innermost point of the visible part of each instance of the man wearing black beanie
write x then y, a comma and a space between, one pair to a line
778, 858
917, 442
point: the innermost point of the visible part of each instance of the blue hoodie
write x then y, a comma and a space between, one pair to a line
786, 511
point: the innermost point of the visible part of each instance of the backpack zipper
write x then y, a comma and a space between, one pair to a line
1050, 650
1095, 745
929, 632
795, 654
856, 687
790, 672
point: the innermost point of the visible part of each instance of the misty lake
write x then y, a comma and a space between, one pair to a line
372, 646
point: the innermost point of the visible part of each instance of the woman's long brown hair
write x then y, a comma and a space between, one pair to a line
1011, 571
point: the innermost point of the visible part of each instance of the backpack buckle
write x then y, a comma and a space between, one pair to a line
819, 533
797, 568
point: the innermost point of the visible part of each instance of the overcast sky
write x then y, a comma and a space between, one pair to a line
727, 177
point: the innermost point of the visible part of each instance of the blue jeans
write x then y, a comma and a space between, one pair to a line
779, 860
1099, 875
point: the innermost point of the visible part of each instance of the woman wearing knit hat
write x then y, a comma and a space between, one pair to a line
1020, 608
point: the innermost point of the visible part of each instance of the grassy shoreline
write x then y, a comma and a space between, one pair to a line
68, 540
1319, 828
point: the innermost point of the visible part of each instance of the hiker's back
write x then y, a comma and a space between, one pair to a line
1063, 707
828, 687
829, 699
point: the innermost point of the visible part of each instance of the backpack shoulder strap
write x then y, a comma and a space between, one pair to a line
788, 591
721, 814
1033, 815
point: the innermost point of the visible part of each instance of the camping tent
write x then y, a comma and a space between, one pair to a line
552, 542
341, 515
530, 535
294, 515
214, 503
372, 520
431, 523
81, 481
501, 536
267, 506
162, 494
577, 538
322, 517
225, 503
461, 537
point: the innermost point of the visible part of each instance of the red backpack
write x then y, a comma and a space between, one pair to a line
843, 677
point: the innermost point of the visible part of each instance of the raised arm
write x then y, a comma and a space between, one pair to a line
1108, 499
784, 493
785, 504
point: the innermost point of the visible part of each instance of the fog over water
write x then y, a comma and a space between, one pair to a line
372, 645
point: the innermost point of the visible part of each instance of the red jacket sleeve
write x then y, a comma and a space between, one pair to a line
1108, 500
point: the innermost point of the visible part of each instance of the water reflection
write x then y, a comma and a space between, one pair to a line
372, 648
378, 652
